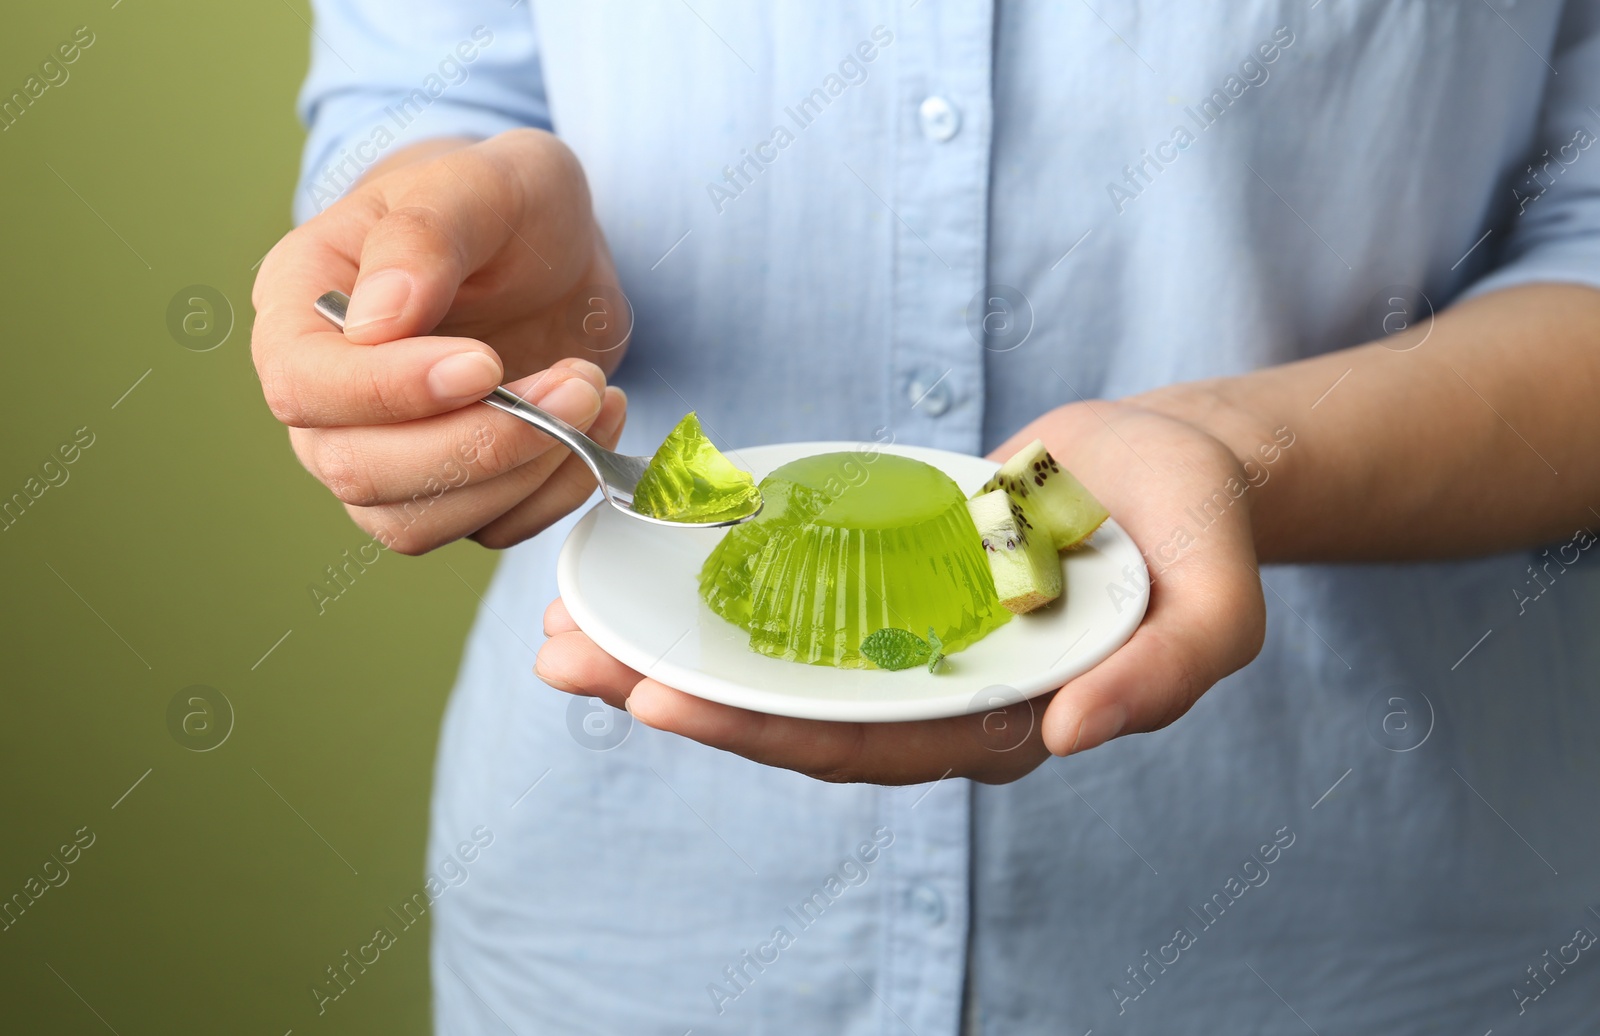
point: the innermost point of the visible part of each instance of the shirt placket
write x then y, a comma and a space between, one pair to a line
940, 203
939, 195
926, 901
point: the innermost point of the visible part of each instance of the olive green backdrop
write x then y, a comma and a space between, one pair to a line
178, 551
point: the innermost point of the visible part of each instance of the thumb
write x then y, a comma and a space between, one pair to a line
416, 256
1144, 685
1196, 631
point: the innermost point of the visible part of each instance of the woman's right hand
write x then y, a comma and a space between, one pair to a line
469, 265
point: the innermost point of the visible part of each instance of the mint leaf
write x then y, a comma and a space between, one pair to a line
891, 648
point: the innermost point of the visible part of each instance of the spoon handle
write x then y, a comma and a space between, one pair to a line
334, 304
507, 401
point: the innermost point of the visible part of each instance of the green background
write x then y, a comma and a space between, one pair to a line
177, 553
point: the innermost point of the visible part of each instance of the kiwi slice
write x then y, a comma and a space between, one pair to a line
1023, 561
1055, 499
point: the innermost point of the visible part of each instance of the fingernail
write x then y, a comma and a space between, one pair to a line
574, 401
380, 297
1099, 726
550, 679
468, 375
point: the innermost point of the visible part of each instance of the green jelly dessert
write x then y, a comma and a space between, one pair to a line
689, 481
844, 547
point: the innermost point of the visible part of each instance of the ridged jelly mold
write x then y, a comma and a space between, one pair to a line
847, 544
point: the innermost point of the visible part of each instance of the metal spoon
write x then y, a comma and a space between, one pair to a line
617, 473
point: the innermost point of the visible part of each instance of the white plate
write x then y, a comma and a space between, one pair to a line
634, 589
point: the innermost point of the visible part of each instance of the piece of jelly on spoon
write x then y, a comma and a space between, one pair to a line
688, 480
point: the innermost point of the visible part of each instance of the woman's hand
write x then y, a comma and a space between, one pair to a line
1206, 619
469, 265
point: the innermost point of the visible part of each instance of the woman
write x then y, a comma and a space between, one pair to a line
1284, 284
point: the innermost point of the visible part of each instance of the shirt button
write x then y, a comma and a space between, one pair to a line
940, 120
930, 395
927, 903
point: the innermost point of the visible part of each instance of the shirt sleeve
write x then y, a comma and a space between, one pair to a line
1550, 221
386, 73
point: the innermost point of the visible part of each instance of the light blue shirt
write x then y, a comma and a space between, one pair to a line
1385, 824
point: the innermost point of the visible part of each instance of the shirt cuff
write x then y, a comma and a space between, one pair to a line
1576, 262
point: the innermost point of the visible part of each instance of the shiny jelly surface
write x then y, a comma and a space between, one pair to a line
848, 543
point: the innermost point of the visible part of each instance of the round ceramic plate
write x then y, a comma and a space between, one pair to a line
634, 589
